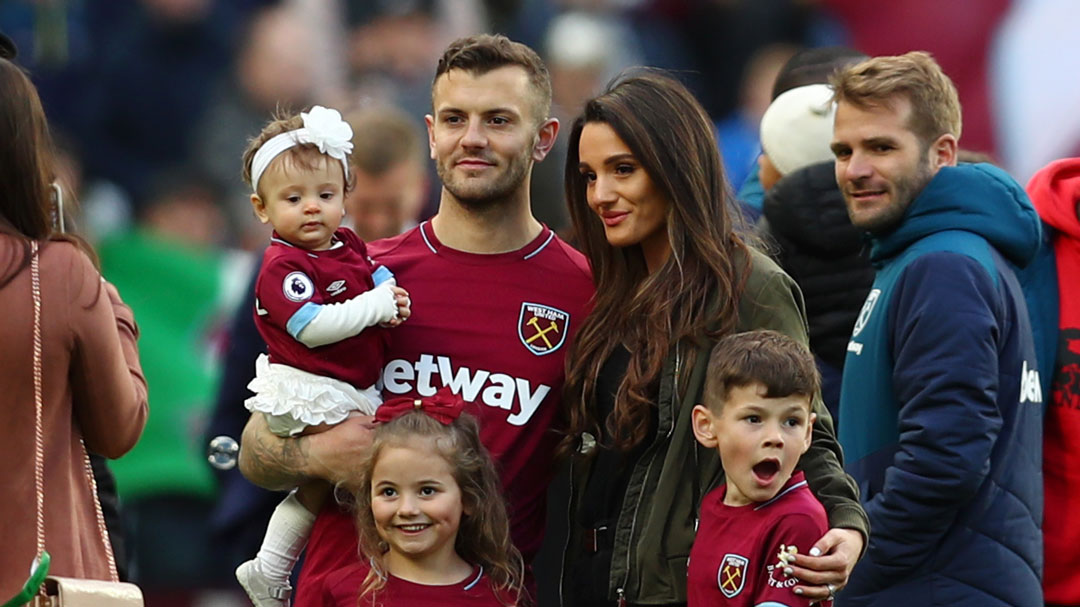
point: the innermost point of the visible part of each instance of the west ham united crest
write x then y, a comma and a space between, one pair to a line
864, 314
542, 329
732, 574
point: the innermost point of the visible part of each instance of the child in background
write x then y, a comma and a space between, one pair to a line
430, 513
756, 414
316, 294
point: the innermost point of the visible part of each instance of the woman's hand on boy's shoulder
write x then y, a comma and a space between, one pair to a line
825, 570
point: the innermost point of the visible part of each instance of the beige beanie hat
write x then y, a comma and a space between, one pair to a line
797, 128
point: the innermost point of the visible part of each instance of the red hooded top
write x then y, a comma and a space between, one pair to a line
1055, 191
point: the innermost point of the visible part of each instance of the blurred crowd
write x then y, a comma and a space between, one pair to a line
152, 103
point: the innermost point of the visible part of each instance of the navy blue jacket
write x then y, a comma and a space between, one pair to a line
941, 406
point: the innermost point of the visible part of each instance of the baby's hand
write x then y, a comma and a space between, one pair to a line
401, 298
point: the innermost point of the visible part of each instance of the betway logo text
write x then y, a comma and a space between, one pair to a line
493, 389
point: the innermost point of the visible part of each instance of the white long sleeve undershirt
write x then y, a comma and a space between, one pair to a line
337, 321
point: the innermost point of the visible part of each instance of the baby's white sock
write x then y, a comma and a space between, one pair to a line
286, 536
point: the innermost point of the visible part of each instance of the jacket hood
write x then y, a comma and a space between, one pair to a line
807, 208
978, 198
1055, 192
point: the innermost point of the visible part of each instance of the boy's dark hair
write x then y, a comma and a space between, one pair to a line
784, 366
814, 66
483, 53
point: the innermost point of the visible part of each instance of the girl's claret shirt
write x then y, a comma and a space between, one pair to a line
343, 586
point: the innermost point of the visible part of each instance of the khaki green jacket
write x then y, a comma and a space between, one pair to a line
655, 528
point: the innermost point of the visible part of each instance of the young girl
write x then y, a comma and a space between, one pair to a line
432, 522
316, 293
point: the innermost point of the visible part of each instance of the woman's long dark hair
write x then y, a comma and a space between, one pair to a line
26, 168
694, 294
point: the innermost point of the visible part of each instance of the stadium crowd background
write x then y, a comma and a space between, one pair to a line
152, 103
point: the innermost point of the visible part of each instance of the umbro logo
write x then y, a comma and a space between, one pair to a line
336, 288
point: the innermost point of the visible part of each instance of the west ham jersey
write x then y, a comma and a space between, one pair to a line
291, 277
495, 328
735, 558
342, 589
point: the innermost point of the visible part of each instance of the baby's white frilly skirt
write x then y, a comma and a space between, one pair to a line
293, 399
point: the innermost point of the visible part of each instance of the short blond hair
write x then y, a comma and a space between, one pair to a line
875, 82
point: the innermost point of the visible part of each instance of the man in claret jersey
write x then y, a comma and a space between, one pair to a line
496, 297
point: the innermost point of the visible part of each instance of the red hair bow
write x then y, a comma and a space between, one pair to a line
444, 407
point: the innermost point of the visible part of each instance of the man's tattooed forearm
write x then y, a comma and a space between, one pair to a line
274, 462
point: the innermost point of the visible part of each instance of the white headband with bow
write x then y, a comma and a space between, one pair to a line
322, 126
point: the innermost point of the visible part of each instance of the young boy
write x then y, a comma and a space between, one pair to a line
756, 414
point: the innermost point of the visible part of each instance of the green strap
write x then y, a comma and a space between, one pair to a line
38, 571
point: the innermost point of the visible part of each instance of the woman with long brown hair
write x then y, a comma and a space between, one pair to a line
91, 389
653, 213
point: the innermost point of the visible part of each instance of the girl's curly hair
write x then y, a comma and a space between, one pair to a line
484, 535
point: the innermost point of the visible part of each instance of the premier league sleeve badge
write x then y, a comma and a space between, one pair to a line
297, 287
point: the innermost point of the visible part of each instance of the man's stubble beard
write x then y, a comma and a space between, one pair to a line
904, 192
481, 197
